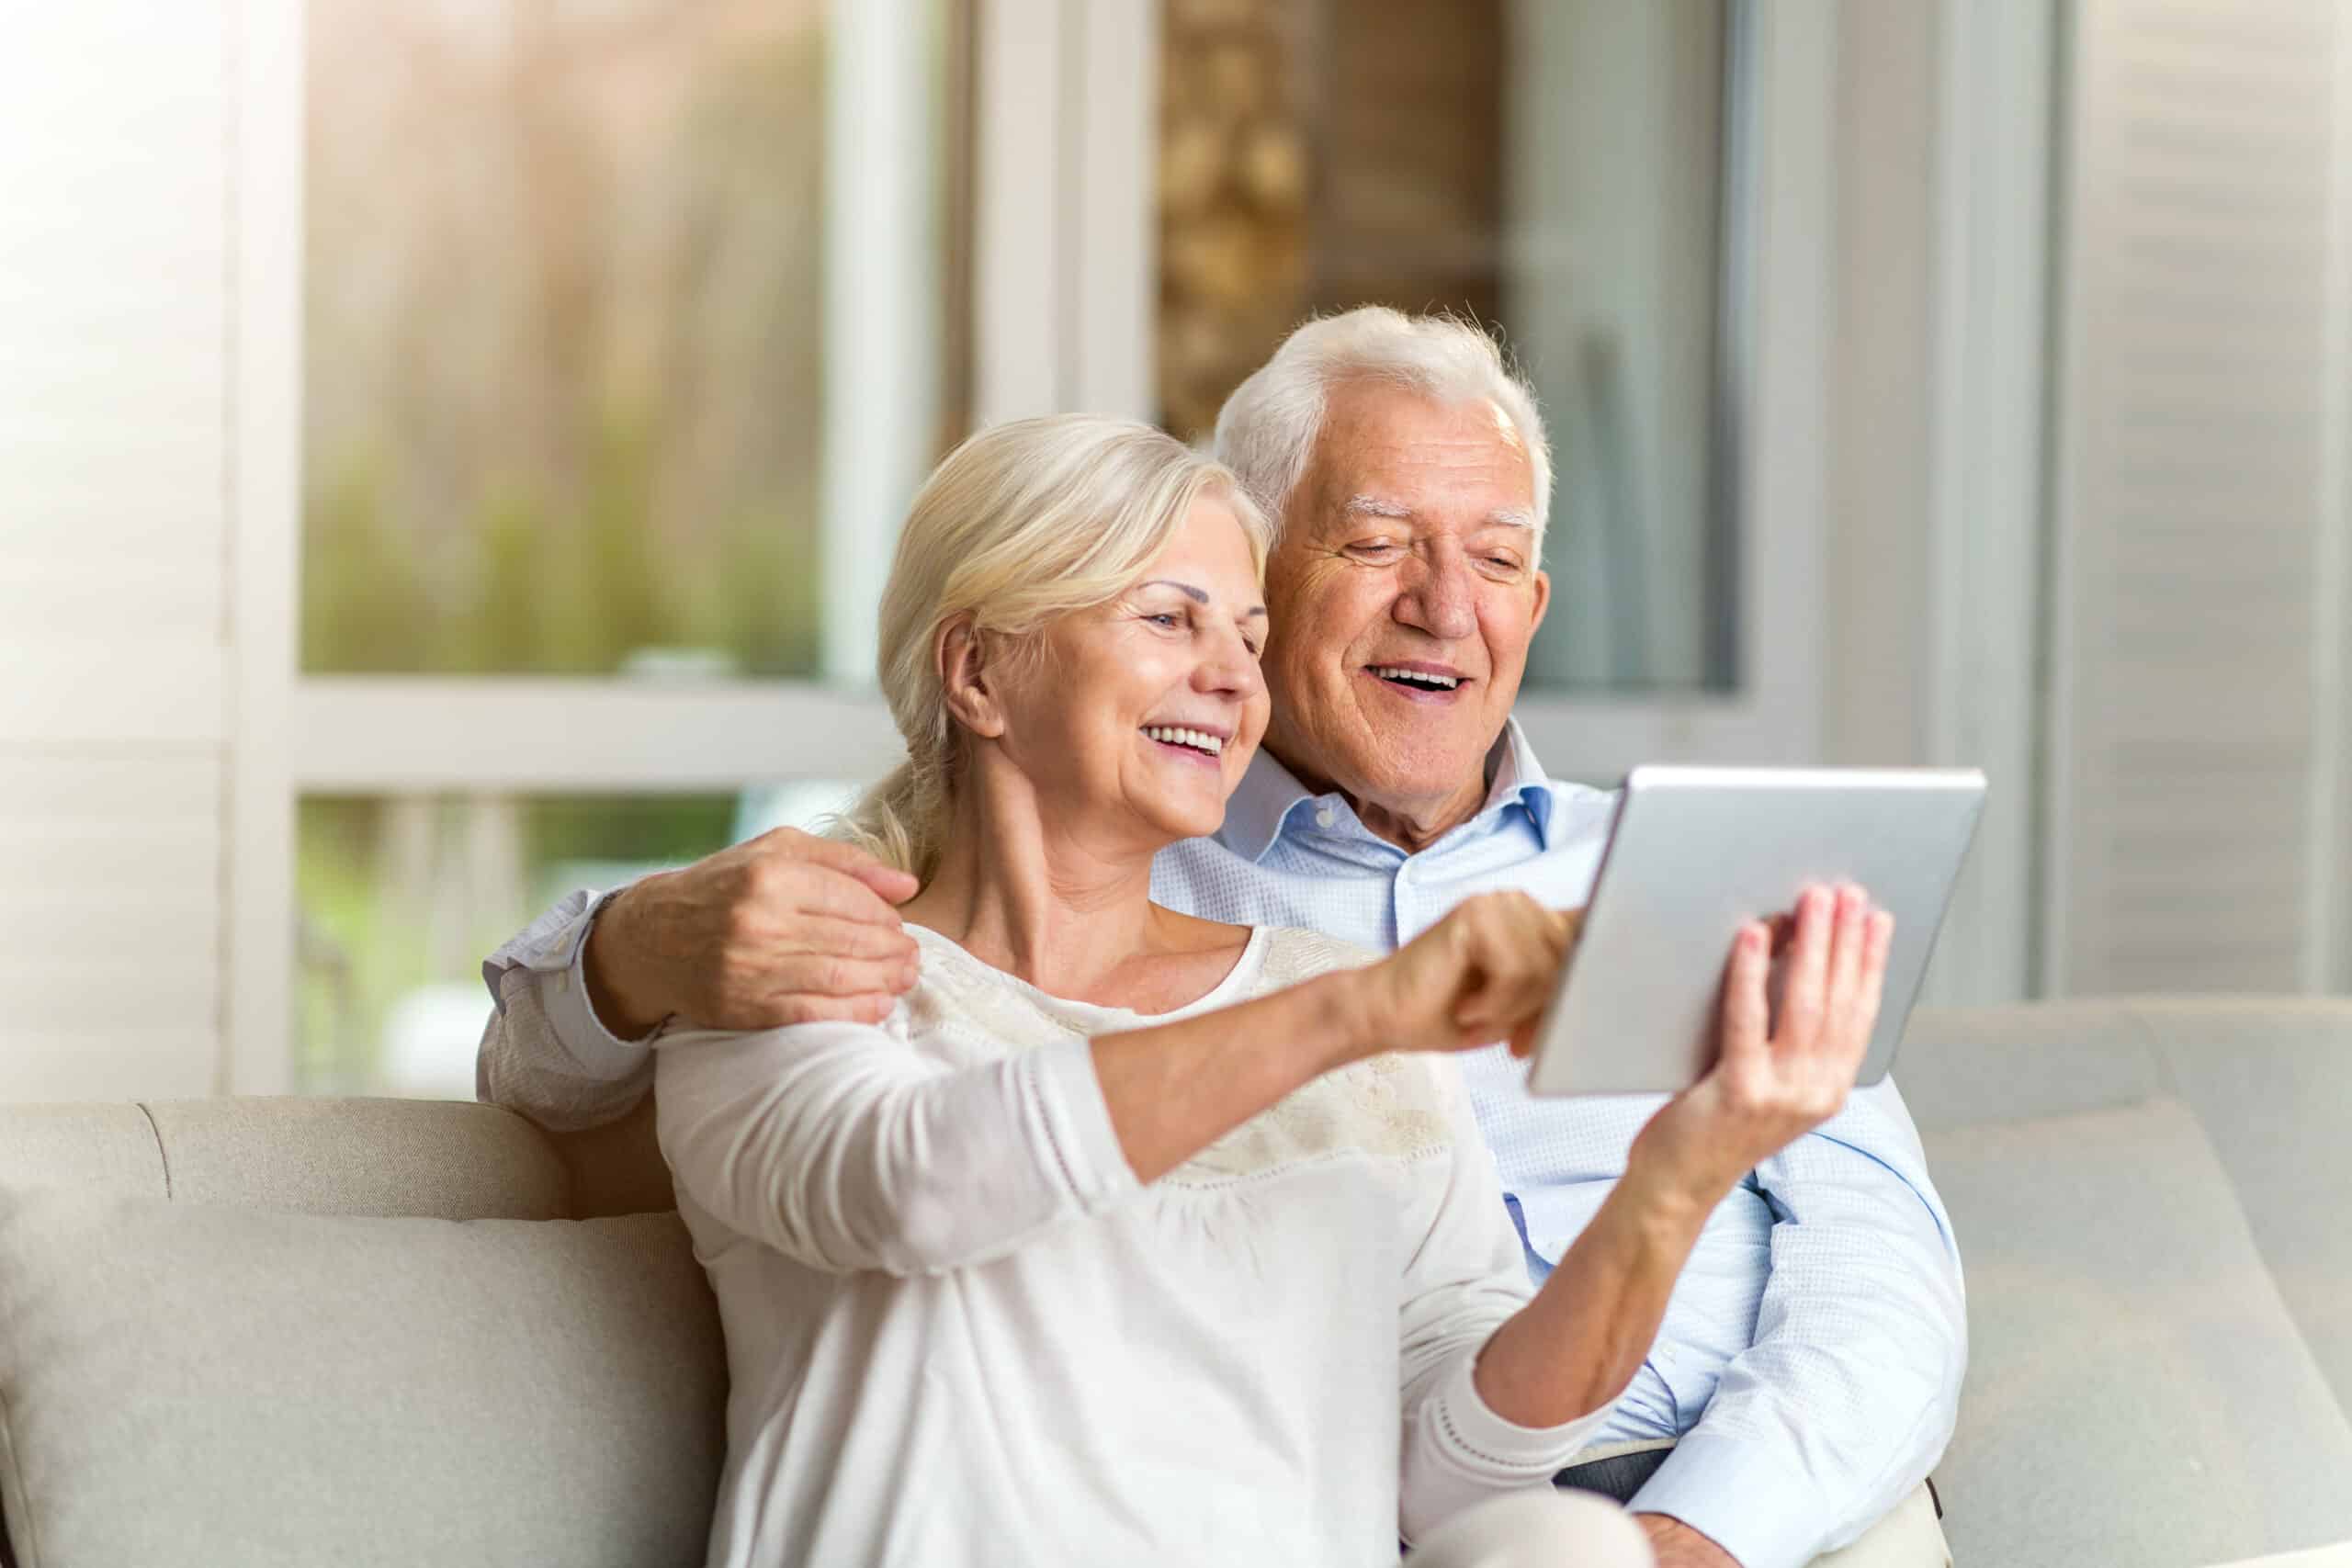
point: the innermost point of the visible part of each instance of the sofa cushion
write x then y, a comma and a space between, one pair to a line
2153, 1401
2270, 1081
194, 1384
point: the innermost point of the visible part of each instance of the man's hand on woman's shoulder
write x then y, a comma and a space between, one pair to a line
787, 928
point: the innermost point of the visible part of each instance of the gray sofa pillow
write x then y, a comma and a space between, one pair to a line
2121, 1324
191, 1384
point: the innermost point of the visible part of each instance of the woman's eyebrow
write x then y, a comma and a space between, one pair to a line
1196, 595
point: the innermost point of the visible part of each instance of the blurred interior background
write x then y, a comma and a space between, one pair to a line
450, 451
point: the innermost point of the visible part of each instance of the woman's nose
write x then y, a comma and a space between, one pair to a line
1231, 671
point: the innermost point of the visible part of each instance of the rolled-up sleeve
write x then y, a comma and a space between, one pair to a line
1851, 1386
838, 1145
544, 1051
1466, 1277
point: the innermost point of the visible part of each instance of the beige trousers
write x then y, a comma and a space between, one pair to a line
1537, 1530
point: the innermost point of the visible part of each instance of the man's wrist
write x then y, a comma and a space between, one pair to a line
619, 1003
1681, 1543
1751, 1495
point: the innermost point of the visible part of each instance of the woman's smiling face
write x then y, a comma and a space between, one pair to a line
1137, 719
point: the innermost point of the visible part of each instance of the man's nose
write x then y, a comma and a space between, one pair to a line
1441, 595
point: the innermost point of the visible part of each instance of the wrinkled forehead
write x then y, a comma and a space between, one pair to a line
1391, 452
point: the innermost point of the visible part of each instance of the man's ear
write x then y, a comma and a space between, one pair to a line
960, 655
1542, 601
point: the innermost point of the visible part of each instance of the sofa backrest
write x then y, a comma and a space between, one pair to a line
2148, 1194
291, 1331
2269, 1078
424, 1158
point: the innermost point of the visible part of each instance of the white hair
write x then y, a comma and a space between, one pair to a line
1267, 430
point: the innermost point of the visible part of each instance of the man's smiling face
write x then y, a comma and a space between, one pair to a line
1403, 595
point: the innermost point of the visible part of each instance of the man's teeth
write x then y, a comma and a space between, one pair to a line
1199, 741
1418, 677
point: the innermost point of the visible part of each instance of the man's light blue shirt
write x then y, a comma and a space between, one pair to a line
1809, 1366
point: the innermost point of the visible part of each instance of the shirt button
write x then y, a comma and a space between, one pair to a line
1324, 817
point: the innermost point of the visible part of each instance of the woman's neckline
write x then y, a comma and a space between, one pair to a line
1236, 979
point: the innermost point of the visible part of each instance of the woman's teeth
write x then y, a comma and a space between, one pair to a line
1418, 677
1197, 739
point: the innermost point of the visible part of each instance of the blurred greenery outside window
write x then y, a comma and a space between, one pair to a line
402, 897
565, 415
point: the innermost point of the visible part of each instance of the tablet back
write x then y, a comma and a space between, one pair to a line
1697, 852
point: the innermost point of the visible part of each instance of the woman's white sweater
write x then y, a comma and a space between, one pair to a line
959, 1331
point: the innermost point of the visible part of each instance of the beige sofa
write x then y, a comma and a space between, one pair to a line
363, 1332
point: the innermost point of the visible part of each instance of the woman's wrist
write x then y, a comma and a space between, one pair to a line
1669, 1191
1339, 1026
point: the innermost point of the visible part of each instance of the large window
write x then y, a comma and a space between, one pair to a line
401, 896
629, 327
1555, 169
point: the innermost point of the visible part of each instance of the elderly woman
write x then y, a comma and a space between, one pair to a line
1131, 1237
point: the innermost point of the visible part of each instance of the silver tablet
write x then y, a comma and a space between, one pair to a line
1695, 853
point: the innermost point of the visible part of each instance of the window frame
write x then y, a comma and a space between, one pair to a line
1063, 261
1771, 428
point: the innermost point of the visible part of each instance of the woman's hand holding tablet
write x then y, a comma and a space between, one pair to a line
1784, 1071
1699, 856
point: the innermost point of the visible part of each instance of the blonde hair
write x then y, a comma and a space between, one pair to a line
1019, 525
1266, 431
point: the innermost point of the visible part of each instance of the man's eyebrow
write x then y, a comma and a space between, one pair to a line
1374, 506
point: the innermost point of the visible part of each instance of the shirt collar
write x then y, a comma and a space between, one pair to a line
1269, 793
1261, 803
1518, 775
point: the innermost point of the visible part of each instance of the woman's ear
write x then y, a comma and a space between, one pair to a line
960, 653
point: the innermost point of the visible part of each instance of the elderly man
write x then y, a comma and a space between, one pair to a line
1808, 1370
